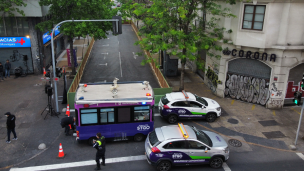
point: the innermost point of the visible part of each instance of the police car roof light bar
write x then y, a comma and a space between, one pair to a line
185, 94
183, 130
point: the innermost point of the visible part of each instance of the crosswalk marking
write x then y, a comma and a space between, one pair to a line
79, 164
226, 167
300, 155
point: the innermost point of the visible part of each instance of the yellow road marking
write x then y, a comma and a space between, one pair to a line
273, 148
253, 106
232, 102
273, 112
296, 111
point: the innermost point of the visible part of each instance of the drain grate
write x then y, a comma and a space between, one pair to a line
235, 143
232, 121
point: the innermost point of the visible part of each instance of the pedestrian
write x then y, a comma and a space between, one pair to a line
1, 71
66, 122
100, 145
10, 125
7, 67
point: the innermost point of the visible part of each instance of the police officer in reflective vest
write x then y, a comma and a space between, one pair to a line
100, 145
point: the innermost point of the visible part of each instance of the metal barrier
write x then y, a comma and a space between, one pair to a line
77, 78
160, 77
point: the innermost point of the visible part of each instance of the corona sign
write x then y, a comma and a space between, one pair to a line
47, 36
13, 42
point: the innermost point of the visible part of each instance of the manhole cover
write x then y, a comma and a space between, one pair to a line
233, 121
235, 143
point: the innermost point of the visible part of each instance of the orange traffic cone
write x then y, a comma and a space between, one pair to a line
61, 153
44, 71
70, 126
68, 110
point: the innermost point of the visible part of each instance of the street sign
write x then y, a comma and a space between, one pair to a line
56, 79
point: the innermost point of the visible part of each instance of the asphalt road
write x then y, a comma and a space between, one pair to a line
116, 57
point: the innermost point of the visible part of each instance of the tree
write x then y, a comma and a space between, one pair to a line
10, 6
169, 26
79, 10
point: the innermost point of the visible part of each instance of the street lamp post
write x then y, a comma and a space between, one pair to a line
53, 57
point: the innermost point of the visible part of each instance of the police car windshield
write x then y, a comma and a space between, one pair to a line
164, 100
202, 137
153, 138
201, 100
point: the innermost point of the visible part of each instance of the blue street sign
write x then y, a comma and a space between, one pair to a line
47, 36
13, 42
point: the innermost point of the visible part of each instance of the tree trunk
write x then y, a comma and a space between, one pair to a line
72, 56
183, 63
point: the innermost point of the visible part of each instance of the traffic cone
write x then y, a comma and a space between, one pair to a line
68, 110
44, 71
61, 153
70, 126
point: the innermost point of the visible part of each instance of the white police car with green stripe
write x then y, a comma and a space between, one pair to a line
177, 145
183, 104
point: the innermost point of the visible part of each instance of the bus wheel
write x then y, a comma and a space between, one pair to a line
90, 140
138, 137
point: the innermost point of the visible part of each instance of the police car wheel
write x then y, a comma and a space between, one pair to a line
164, 166
211, 117
138, 137
172, 119
216, 162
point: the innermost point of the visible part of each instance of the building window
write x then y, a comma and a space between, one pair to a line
14, 26
254, 17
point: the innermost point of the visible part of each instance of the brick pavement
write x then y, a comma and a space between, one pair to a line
249, 116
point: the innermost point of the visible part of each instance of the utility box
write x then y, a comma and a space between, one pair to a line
170, 65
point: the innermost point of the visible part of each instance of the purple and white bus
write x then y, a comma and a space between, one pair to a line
119, 112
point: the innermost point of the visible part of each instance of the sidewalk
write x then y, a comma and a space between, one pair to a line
248, 118
25, 97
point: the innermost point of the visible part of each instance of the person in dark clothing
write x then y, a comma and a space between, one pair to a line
7, 67
10, 125
1, 71
66, 122
100, 145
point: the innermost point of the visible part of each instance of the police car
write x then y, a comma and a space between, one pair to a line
187, 105
185, 145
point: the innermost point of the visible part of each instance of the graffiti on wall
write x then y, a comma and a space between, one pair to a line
276, 102
248, 89
291, 89
212, 78
275, 93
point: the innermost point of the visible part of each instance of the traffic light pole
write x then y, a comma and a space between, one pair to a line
300, 120
53, 55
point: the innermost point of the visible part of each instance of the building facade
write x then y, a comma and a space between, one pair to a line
263, 62
23, 45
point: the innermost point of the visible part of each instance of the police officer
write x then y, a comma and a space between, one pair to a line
66, 122
100, 145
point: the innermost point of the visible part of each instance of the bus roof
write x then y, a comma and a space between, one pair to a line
101, 93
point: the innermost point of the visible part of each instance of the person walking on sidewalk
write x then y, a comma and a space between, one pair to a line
100, 145
7, 67
1, 71
10, 125
66, 122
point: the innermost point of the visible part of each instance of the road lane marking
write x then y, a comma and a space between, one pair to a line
134, 55
273, 112
106, 45
105, 53
226, 167
120, 65
296, 111
104, 64
253, 106
79, 164
300, 155
232, 102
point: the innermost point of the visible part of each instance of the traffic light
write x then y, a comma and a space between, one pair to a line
302, 86
115, 32
58, 72
295, 99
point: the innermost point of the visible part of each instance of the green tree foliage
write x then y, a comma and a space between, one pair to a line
61, 10
11, 6
169, 26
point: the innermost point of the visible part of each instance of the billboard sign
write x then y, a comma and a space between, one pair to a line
47, 36
13, 42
